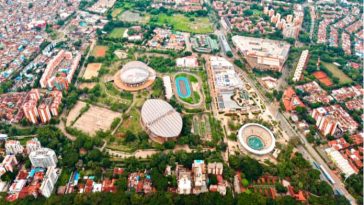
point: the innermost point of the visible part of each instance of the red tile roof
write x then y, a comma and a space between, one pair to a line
290, 100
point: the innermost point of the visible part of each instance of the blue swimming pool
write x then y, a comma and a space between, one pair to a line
183, 87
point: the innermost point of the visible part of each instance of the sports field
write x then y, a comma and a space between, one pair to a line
343, 78
180, 22
134, 17
96, 118
99, 51
187, 88
183, 87
92, 70
117, 33
116, 12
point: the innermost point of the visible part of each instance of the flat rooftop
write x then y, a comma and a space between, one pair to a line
261, 47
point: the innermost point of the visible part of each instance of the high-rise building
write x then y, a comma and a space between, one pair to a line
43, 157
57, 100
33, 145
13, 147
334, 120
30, 111
44, 113
34, 94
49, 181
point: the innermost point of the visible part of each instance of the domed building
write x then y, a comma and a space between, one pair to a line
160, 120
134, 76
256, 139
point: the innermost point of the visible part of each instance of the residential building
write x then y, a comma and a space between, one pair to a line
8, 163
44, 113
43, 157
315, 93
334, 120
33, 145
215, 168
184, 183
290, 100
13, 147
199, 177
301, 65
59, 71
49, 181
30, 111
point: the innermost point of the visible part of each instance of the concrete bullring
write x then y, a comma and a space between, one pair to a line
256, 139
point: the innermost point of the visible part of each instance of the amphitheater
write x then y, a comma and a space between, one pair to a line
134, 76
256, 139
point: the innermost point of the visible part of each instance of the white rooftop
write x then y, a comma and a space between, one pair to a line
161, 118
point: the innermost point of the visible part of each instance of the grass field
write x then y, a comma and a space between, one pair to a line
99, 51
110, 96
183, 23
191, 78
131, 123
343, 78
117, 33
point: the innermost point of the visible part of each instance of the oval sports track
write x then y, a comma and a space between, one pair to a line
183, 87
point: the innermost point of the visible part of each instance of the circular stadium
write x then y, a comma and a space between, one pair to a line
160, 120
134, 76
256, 138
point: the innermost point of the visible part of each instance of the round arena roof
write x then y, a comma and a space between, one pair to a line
135, 72
161, 118
256, 138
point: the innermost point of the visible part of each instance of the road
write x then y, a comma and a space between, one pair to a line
290, 131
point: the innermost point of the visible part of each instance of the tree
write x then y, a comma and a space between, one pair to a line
229, 54
324, 189
280, 188
354, 183
251, 167
159, 180
245, 182
251, 199
212, 179
187, 53
238, 63
70, 158
122, 184
130, 137
95, 155
248, 12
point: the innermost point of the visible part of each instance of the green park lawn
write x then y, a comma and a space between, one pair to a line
131, 123
180, 22
336, 72
117, 33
